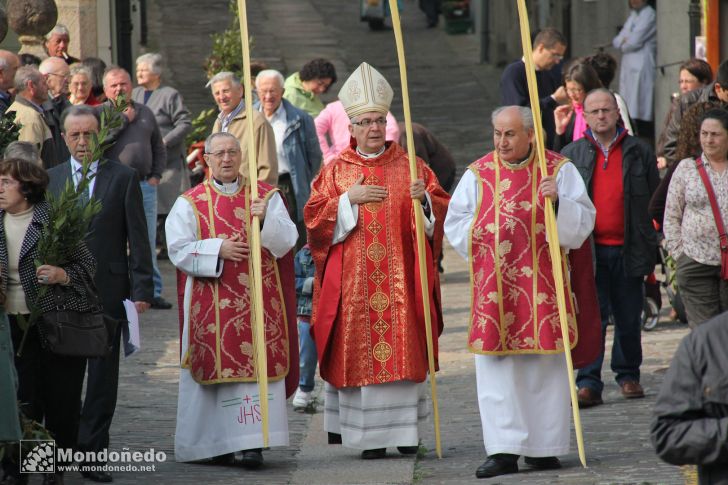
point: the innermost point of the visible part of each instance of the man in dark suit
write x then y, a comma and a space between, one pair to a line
120, 222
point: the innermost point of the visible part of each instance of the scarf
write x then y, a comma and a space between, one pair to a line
579, 121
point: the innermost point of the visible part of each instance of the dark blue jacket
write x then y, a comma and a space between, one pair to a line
514, 91
303, 151
304, 281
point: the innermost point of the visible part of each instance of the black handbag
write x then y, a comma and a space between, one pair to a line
73, 333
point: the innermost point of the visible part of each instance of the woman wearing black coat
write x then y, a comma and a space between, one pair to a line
49, 385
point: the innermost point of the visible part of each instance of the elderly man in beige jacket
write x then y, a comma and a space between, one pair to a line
228, 94
31, 92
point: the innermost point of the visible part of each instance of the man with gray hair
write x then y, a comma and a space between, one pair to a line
31, 91
57, 74
9, 63
174, 123
117, 239
56, 43
521, 375
297, 147
138, 144
207, 238
228, 94
367, 310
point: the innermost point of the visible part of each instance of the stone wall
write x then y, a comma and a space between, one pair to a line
595, 23
673, 45
80, 18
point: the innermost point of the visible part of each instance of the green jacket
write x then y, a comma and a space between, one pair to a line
300, 98
9, 421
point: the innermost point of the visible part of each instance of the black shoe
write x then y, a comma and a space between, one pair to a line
98, 476
159, 303
334, 439
408, 450
499, 464
374, 454
543, 463
250, 458
223, 460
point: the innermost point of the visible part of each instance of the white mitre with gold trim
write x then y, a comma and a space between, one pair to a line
365, 91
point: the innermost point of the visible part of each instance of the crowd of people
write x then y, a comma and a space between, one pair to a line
143, 183
337, 204
607, 135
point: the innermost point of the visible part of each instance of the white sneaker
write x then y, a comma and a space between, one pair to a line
302, 399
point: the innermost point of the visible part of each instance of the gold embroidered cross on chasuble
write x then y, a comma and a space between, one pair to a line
367, 319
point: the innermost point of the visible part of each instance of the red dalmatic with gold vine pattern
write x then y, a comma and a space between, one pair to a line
514, 309
220, 335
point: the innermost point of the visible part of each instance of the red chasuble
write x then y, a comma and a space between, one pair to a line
514, 309
367, 315
220, 345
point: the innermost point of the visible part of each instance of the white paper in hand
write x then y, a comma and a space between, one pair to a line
130, 332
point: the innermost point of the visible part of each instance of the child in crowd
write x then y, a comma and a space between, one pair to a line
304, 292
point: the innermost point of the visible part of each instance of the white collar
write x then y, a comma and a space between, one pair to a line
280, 112
370, 155
535, 67
76, 166
227, 187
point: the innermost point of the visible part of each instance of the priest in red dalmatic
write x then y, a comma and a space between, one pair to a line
218, 412
496, 221
368, 320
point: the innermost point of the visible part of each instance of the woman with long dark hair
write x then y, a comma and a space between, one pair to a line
690, 225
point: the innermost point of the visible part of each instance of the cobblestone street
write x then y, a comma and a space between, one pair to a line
452, 95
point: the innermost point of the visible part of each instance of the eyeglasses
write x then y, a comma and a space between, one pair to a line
368, 123
76, 136
221, 153
62, 76
597, 112
556, 56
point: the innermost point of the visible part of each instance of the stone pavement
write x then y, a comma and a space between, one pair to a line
616, 435
453, 96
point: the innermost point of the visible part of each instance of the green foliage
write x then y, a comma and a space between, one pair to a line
70, 212
201, 126
226, 55
70, 216
227, 50
29, 430
9, 132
